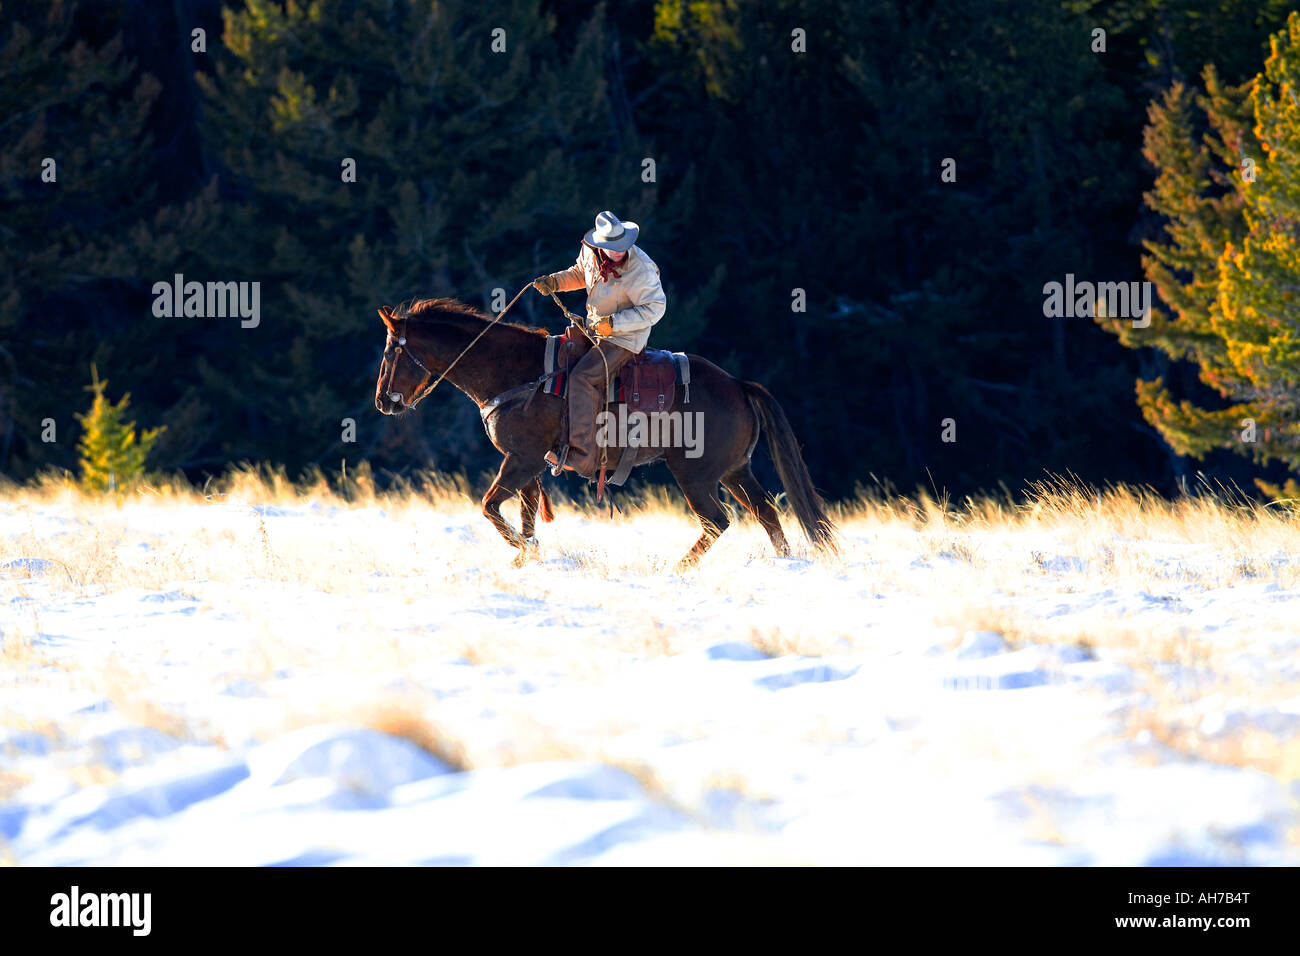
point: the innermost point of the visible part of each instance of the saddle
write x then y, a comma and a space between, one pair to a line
647, 383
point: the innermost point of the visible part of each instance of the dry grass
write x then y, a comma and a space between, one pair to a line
811, 641
989, 564
1093, 525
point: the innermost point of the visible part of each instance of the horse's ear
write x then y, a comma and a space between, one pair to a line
386, 314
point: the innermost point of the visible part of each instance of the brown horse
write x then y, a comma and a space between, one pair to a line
428, 336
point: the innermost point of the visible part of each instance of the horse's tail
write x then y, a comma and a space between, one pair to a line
809, 508
546, 512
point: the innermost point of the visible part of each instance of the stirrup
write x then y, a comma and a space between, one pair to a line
557, 459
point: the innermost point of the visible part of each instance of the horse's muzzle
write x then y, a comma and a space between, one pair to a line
391, 404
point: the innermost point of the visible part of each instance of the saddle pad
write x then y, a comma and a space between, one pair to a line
561, 353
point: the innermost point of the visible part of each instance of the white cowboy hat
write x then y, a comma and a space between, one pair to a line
612, 233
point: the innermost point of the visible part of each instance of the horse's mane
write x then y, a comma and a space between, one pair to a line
431, 310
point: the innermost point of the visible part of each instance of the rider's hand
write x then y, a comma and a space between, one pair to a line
545, 284
601, 325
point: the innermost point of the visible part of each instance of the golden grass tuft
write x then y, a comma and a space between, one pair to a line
414, 725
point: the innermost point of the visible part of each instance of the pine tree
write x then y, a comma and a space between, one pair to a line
1259, 288
1227, 268
112, 454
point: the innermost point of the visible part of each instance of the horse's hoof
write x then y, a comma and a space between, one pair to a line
528, 551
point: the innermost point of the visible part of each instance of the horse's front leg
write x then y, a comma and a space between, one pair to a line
512, 477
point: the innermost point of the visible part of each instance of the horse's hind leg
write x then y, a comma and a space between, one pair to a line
746, 489
529, 497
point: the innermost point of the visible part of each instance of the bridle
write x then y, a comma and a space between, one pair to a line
398, 351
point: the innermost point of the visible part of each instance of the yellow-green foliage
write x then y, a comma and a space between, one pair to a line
112, 453
1225, 269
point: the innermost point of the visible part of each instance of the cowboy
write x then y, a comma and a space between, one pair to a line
624, 299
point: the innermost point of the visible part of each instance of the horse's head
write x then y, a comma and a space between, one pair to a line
403, 377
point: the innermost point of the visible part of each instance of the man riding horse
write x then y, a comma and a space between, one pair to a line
501, 367
624, 299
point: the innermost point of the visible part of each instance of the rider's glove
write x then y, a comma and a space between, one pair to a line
545, 284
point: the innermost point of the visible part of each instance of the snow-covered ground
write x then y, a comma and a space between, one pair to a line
225, 682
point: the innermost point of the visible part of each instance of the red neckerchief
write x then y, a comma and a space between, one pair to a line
606, 266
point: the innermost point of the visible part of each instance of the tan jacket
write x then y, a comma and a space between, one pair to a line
634, 301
